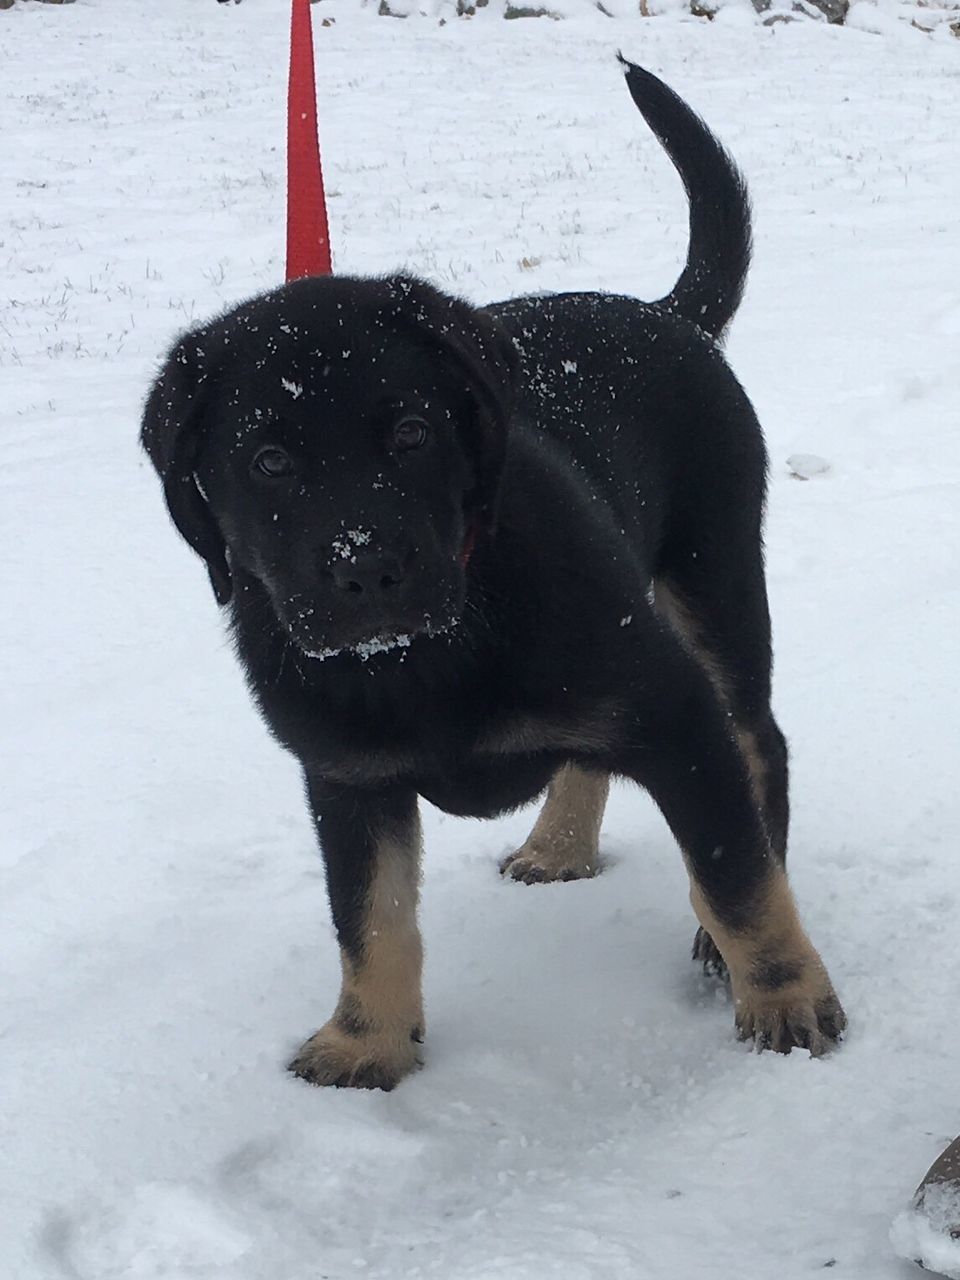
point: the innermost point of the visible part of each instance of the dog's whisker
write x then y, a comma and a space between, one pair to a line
283, 657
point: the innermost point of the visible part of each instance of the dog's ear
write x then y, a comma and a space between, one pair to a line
171, 432
487, 356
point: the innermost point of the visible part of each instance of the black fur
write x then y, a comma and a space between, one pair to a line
479, 604
710, 286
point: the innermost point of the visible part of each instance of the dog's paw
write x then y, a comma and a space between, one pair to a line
532, 864
334, 1057
707, 954
804, 1014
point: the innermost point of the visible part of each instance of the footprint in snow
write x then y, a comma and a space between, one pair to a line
158, 1231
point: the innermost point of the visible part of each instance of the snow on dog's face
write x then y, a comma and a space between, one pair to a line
340, 440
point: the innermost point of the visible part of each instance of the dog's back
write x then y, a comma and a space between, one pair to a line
636, 396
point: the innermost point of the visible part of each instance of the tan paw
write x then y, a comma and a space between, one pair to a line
803, 1013
532, 864
334, 1057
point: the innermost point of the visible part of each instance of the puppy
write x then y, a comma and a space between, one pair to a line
473, 554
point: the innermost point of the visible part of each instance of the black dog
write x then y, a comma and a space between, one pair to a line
471, 554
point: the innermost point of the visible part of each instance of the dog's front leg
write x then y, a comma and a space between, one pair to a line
685, 754
371, 847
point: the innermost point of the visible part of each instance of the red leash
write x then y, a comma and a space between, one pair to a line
308, 237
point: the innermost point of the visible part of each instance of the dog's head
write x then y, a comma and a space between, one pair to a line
342, 441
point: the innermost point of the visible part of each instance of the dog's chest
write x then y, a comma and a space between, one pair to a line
484, 787
506, 761
466, 783
463, 756
454, 777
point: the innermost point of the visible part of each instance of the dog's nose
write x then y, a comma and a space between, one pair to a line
369, 574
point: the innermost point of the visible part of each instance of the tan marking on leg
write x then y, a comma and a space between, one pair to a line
756, 765
681, 618
781, 989
372, 1039
565, 842
684, 623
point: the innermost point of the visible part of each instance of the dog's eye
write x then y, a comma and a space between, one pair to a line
409, 433
273, 463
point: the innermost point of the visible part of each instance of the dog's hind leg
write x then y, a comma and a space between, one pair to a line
735, 653
720, 614
679, 745
564, 843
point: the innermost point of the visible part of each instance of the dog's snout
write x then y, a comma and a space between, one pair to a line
371, 574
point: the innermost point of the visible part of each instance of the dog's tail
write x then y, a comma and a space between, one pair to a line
711, 284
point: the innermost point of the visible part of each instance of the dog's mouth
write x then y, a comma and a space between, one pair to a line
324, 623
394, 637
363, 649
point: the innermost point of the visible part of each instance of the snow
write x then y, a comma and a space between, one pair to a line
585, 1111
923, 1233
804, 466
366, 649
346, 547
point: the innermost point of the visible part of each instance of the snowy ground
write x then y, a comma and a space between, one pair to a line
585, 1112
